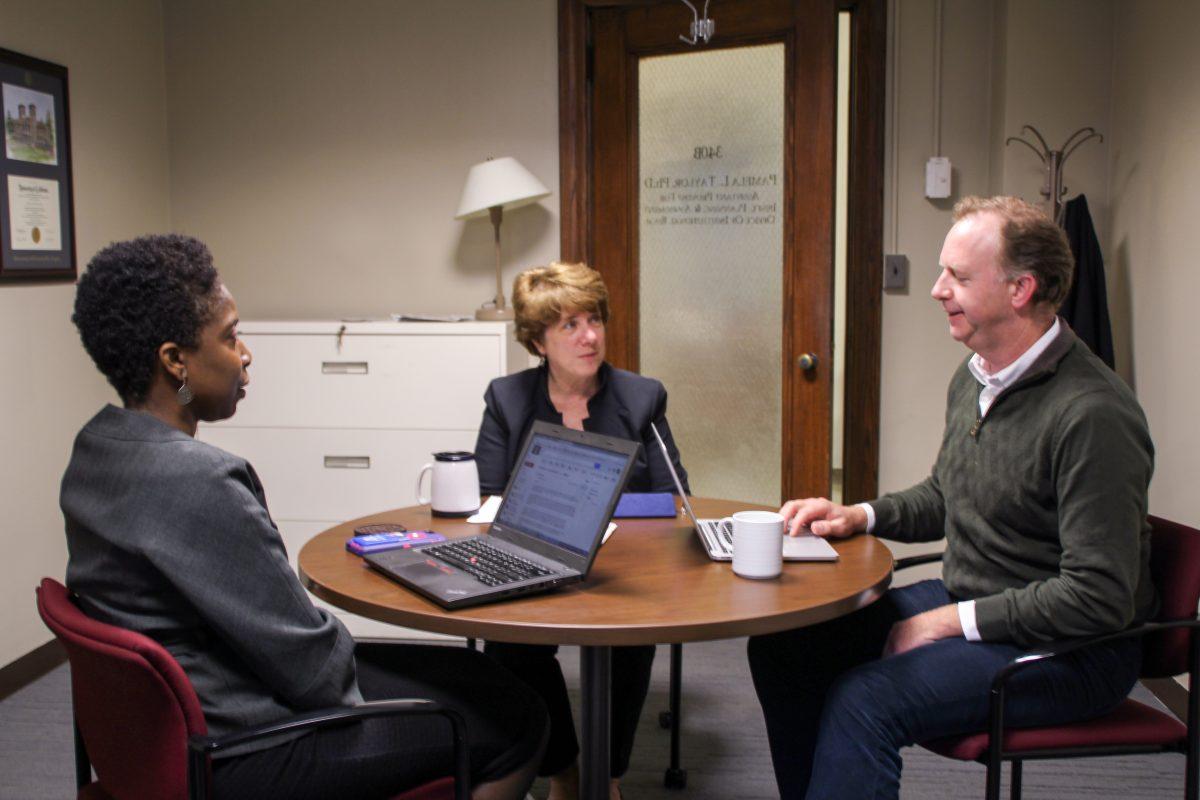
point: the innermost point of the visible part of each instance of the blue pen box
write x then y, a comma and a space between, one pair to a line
374, 542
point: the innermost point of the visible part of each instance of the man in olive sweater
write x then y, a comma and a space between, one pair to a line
1040, 492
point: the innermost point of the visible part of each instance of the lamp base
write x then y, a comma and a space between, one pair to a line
492, 314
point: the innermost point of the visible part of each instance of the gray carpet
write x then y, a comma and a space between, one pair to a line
724, 745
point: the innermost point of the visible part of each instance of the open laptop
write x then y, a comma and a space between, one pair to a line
717, 536
547, 530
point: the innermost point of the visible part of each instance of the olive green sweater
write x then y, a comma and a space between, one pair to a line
1042, 502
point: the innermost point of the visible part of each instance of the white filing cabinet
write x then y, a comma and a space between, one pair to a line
339, 417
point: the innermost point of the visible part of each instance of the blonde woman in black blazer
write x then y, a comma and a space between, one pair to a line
561, 312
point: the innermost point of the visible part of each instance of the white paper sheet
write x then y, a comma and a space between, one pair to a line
487, 511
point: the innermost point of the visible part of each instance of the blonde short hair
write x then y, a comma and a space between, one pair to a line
1032, 244
542, 294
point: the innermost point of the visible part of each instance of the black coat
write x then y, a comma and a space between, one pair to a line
624, 406
1086, 306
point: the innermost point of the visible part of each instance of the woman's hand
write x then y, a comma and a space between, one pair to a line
822, 517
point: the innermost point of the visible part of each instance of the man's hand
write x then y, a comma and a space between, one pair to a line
822, 517
909, 634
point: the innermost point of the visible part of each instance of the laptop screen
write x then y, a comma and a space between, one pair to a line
562, 491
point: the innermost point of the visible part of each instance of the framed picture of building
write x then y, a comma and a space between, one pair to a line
37, 202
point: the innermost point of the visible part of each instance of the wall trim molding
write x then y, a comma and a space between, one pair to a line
31, 666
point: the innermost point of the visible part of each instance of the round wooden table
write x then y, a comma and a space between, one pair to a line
651, 583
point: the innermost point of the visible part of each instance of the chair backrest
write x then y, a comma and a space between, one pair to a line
133, 703
1175, 568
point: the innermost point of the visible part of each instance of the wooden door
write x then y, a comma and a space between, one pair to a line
601, 202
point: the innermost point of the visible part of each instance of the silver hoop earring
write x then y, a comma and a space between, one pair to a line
184, 395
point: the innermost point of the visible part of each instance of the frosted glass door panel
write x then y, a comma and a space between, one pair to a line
711, 137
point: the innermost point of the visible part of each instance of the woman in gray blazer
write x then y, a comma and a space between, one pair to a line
561, 313
171, 537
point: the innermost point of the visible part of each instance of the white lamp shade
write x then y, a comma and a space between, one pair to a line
498, 182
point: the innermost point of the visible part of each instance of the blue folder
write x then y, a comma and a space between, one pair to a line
646, 504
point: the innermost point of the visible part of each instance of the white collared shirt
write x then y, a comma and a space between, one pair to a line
993, 384
996, 382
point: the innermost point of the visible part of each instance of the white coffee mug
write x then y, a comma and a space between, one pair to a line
757, 544
454, 487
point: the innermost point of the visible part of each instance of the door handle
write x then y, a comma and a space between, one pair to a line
807, 362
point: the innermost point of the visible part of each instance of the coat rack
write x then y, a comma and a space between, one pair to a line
702, 27
1053, 189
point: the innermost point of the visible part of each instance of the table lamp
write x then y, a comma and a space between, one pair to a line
492, 186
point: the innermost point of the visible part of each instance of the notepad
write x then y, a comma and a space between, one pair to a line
487, 512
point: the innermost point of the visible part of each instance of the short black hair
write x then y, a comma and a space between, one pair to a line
134, 296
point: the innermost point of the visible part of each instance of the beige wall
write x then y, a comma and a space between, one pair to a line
118, 127
918, 355
1004, 64
322, 153
320, 149
1058, 78
1121, 66
1151, 262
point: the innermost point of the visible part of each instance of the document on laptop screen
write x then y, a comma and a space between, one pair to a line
561, 492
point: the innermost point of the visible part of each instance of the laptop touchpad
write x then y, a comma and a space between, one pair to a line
420, 570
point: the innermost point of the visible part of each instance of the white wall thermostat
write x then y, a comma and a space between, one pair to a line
937, 177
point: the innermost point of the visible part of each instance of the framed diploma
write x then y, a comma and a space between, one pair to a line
37, 202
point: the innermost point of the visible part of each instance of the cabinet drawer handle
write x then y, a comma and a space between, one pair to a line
347, 462
344, 367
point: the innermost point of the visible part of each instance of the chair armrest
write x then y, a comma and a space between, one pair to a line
201, 747
913, 561
1071, 645
999, 682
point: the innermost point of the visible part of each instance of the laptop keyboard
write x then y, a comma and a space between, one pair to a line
489, 565
721, 532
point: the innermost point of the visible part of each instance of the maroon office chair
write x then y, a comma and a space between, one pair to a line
138, 720
1168, 648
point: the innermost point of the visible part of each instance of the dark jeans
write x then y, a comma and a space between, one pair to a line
538, 666
837, 714
381, 757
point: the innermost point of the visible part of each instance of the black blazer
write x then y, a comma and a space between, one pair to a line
624, 406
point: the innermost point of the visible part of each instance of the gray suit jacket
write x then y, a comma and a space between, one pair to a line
170, 537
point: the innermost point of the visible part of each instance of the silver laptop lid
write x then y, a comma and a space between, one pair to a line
687, 506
